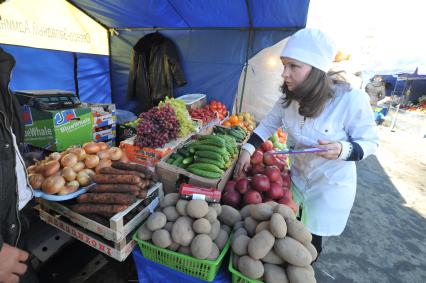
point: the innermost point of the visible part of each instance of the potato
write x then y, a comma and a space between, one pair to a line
144, 233
229, 215
292, 252
261, 212
211, 215
260, 244
182, 232
173, 246
201, 246
221, 239
171, 213
235, 259
241, 231
285, 211
156, 221
272, 203
238, 225
201, 226
197, 208
274, 274
250, 225
215, 229
161, 238
168, 226
278, 226
185, 250
245, 211
312, 250
250, 267
226, 228
214, 253
217, 207
272, 257
169, 200
297, 274
264, 225
239, 245
181, 207
298, 231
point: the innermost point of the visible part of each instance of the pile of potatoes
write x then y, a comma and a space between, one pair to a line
194, 227
271, 245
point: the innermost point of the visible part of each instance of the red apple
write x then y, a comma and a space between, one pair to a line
230, 185
287, 194
286, 181
275, 191
257, 169
273, 173
267, 146
242, 185
232, 198
269, 159
252, 197
260, 183
256, 158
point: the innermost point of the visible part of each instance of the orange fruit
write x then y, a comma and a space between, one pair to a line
233, 119
227, 123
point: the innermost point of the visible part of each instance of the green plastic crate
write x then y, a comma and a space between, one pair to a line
199, 268
237, 277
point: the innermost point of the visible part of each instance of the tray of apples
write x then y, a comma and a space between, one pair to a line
268, 179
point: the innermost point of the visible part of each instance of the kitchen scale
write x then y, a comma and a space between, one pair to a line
48, 99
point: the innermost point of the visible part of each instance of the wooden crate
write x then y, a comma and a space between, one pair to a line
117, 250
118, 229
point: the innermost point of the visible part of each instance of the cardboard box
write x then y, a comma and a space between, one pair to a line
105, 135
56, 130
103, 114
170, 175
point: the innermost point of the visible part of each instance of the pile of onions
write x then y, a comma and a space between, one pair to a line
91, 148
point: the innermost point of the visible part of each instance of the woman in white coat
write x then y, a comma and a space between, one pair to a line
315, 111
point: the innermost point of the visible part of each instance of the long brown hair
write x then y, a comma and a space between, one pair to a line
312, 95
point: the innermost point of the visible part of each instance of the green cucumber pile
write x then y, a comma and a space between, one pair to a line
207, 157
235, 131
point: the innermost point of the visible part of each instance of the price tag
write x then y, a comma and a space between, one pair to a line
153, 205
199, 196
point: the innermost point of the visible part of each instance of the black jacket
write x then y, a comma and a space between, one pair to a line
10, 119
154, 67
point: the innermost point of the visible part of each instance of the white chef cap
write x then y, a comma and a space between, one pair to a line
311, 46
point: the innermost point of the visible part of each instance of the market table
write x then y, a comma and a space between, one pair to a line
149, 271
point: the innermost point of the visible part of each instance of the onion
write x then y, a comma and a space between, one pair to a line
69, 160
115, 152
69, 188
69, 174
102, 146
53, 184
83, 178
91, 161
124, 158
103, 163
50, 168
81, 153
55, 156
91, 148
78, 166
36, 180
89, 172
104, 154
32, 169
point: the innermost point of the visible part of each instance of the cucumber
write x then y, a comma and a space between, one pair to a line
170, 160
213, 139
188, 160
178, 161
204, 173
207, 167
220, 150
184, 152
210, 155
219, 164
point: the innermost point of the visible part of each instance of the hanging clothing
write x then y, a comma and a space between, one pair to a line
154, 67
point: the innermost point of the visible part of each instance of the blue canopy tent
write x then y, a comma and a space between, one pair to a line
215, 39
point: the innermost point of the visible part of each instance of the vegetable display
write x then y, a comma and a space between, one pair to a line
182, 115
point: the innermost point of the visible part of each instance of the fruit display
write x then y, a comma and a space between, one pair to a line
195, 227
267, 179
219, 107
237, 132
205, 114
116, 188
159, 125
279, 139
64, 173
243, 119
269, 244
182, 115
208, 156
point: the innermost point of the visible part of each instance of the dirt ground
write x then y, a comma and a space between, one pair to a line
384, 240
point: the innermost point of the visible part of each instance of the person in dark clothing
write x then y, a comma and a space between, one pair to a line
154, 67
14, 190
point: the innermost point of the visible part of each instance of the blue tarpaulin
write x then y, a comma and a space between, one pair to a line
215, 38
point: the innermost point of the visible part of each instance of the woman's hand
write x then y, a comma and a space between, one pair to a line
334, 149
243, 164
